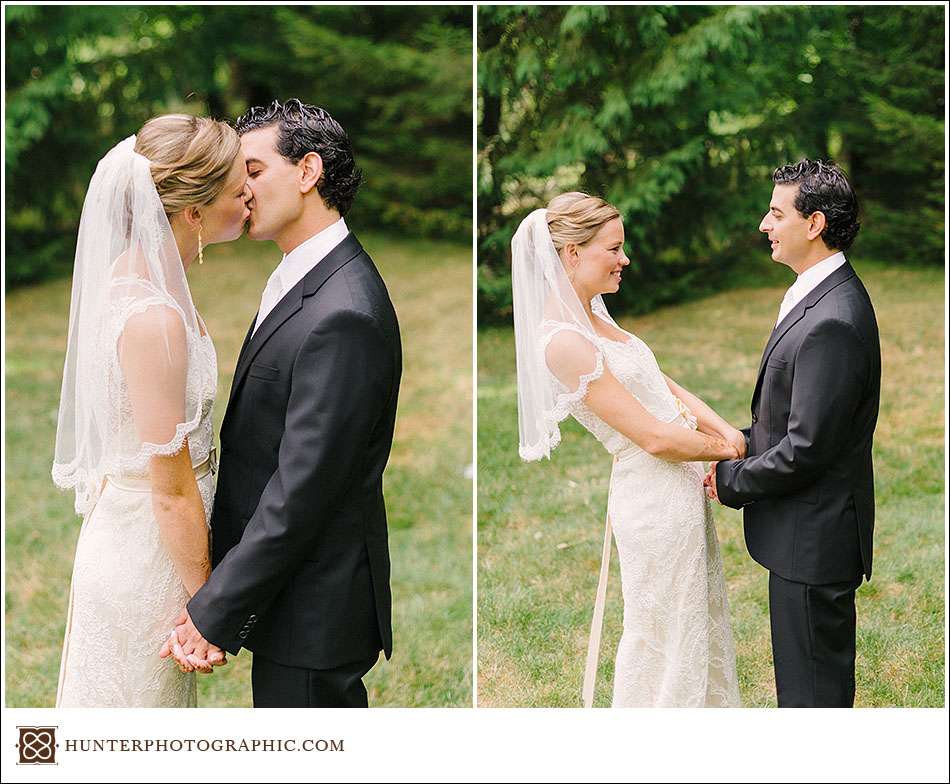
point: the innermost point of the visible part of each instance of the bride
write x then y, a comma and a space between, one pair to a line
573, 359
134, 436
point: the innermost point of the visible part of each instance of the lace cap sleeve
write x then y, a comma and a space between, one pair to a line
574, 362
153, 354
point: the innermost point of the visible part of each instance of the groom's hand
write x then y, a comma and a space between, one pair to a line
192, 652
710, 484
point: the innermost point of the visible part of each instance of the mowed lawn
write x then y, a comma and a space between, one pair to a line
427, 483
540, 525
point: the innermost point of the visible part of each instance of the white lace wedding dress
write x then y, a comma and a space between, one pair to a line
125, 592
677, 648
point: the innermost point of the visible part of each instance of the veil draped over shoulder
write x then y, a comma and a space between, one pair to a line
133, 334
558, 351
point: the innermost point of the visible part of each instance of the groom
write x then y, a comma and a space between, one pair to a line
300, 553
806, 487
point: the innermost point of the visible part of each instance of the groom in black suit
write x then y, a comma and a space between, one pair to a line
806, 487
299, 537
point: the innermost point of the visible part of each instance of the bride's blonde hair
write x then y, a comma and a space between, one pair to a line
190, 158
576, 217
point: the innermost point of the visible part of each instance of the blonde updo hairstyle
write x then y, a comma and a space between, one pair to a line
190, 158
576, 217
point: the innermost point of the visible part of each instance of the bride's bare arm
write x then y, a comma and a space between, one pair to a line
180, 515
707, 420
608, 398
154, 360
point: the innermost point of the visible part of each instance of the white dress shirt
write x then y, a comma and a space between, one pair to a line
808, 281
296, 264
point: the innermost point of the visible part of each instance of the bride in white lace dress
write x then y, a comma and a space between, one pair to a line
134, 437
573, 359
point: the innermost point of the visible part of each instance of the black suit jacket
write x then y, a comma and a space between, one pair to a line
807, 484
299, 538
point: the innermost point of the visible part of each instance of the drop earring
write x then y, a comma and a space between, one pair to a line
201, 257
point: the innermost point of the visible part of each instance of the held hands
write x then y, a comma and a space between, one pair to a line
190, 650
709, 484
736, 440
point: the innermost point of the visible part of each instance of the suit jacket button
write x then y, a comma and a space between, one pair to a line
252, 619
242, 634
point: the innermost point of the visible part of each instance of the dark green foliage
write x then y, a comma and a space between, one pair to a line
81, 78
679, 114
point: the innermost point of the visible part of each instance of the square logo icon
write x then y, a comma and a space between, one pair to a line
37, 745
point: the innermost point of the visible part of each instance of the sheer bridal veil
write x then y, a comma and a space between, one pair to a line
558, 351
132, 333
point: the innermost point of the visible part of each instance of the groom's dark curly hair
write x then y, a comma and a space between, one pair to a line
823, 187
303, 128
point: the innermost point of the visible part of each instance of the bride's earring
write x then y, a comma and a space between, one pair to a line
573, 273
201, 257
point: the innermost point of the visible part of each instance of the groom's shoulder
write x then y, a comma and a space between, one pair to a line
356, 286
844, 313
849, 301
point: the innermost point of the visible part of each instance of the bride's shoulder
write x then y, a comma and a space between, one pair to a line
569, 351
565, 336
141, 311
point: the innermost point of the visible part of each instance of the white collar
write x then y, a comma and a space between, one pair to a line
811, 277
294, 265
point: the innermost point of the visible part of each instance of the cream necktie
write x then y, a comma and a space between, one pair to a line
788, 302
273, 291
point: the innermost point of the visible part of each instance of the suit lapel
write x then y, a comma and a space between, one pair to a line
796, 314
290, 304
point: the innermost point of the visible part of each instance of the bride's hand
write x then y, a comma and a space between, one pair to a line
737, 439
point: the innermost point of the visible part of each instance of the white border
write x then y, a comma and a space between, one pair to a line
472, 745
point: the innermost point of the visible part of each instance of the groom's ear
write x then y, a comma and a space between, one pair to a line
310, 170
816, 224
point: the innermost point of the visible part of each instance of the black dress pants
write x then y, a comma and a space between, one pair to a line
813, 632
279, 686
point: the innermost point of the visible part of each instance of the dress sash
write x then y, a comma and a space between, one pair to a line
597, 622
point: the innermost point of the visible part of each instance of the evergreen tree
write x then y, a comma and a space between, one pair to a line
678, 115
79, 79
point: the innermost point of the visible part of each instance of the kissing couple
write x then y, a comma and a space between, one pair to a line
292, 519
801, 472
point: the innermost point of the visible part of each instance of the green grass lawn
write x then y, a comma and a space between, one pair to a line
428, 496
540, 525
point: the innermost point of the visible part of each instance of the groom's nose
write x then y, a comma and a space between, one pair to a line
765, 224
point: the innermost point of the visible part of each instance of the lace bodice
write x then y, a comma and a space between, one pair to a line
634, 365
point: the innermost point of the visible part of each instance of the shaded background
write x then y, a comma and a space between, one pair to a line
80, 79
678, 116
